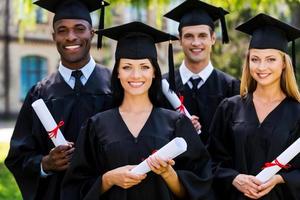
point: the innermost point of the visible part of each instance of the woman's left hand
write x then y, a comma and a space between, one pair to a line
265, 188
161, 167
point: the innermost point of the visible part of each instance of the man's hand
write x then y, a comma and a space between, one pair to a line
196, 123
58, 158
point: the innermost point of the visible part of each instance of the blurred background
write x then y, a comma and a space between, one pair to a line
28, 54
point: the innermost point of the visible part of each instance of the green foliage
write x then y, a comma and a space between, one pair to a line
8, 187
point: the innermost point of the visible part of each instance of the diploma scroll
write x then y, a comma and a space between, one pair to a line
171, 150
49, 123
284, 158
174, 100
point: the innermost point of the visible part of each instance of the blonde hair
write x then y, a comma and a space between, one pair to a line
288, 82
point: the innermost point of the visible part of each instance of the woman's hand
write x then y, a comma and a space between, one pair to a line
161, 167
265, 188
121, 177
248, 185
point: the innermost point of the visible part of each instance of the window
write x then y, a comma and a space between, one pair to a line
33, 69
40, 16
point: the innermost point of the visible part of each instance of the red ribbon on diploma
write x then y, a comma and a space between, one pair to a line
276, 163
181, 106
53, 133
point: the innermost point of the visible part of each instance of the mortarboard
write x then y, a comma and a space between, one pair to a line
137, 40
194, 12
75, 9
270, 33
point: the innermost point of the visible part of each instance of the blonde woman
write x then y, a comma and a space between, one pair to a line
253, 128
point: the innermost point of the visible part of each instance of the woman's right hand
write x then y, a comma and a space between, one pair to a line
121, 177
247, 184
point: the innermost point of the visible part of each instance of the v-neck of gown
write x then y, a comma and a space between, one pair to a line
126, 127
269, 115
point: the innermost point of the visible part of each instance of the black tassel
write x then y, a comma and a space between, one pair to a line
101, 26
171, 67
225, 37
294, 56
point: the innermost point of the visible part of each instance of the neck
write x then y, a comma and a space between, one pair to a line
269, 93
136, 104
196, 67
76, 65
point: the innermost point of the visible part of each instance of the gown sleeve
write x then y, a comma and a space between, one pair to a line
83, 178
194, 166
292, 177
220, 148
23, 159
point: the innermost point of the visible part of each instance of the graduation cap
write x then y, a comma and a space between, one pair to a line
137, 40
270, 33
194, 12
75, 9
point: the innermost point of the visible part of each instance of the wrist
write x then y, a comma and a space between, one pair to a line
279, 179
44, 165
169, 173
107, 180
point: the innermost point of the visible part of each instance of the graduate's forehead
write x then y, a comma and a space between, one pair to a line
71, 23
265, 52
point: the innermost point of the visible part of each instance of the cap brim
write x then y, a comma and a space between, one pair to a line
262, 20
118, 32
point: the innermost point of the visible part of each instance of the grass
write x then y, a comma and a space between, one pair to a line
8, 187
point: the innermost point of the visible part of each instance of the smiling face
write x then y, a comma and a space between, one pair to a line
73, 41
135, 76
196, 42
266, 66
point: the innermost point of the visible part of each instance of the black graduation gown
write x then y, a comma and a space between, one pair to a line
240, 144
204, 104
30, 141
106, 143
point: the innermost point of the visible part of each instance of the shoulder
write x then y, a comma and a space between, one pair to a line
224, 76
102, 72
231, 102
104, 116
169, 115
45, 83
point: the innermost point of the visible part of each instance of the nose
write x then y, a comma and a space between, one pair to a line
136, 73
71, 36
196, 42
261, 65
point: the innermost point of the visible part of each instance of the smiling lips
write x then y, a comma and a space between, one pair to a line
136, 84
196, 50
72, 47
263, 75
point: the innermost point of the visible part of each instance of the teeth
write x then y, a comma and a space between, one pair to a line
264, 75
136, 84
196, 50
72, 47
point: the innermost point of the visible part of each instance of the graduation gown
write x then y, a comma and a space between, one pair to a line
203, 104
240, 144
106, 143
30, 142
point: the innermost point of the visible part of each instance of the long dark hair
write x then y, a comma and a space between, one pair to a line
155, 91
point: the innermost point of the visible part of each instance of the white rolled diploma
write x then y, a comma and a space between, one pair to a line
284, 158
171, 150
173, 98
48, 121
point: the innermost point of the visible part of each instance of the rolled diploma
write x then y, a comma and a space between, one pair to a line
48, 122
172, 97
284, 158
171, 150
